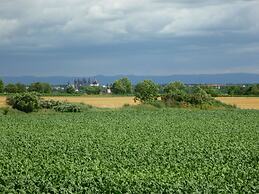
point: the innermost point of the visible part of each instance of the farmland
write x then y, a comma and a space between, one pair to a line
130, 151
116, 102
242, 102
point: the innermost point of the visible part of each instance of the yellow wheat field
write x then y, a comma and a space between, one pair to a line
117, 102
242, 102
101, 102
2, 101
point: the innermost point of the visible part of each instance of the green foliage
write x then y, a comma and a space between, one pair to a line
91, 89
66, 107
146, 91
1, 86
130, 151
20, 88
178, 95
254, 90
122, 86
174, 87
15, 88
40, 88
70, 89
211, 91
10, 88
26, 102
6, 110
241, 90
49, 104
60, 106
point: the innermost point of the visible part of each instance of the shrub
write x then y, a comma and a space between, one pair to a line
198, 97
146, 91
49, 104
65, 107
26, 102
70, 89
122, 86
91, 89
40, 87
177, 95
1, 86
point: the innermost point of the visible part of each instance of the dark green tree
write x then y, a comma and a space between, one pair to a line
10, 88
26, 102
70, 89
91, 89
254, 90
1, 86
40, 87
146, 91
174, 87
20, 88
122, 86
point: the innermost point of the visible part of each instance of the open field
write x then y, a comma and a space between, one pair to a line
130, 151
97, 101
2, 101
116, 102
242, 102
101, 102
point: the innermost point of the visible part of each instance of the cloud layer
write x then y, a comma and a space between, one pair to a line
153, 28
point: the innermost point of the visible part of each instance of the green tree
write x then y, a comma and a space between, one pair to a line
91, 89
174, 87
122, 86
1, 86
146, 91
40, 87
211, 90
10, 88
26, 102
20, 88
254, 90
70, 89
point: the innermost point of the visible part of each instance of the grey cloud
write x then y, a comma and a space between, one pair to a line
100, 34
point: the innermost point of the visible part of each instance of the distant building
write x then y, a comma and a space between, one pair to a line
95, 83
78, 83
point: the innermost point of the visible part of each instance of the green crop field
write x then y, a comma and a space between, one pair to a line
130, 151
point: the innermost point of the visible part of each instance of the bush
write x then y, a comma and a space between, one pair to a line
26, 102
146, 91
40, 87
198, 97
65, 107
122, 86
70, 89
177, 95
91, 89
49, 104
1, 86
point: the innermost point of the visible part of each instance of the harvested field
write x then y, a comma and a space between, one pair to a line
101, 102
2, 101
241, 102
117, 102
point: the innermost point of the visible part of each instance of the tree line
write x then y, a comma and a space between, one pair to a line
124, 86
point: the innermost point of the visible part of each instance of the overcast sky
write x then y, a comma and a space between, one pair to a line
141, 37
